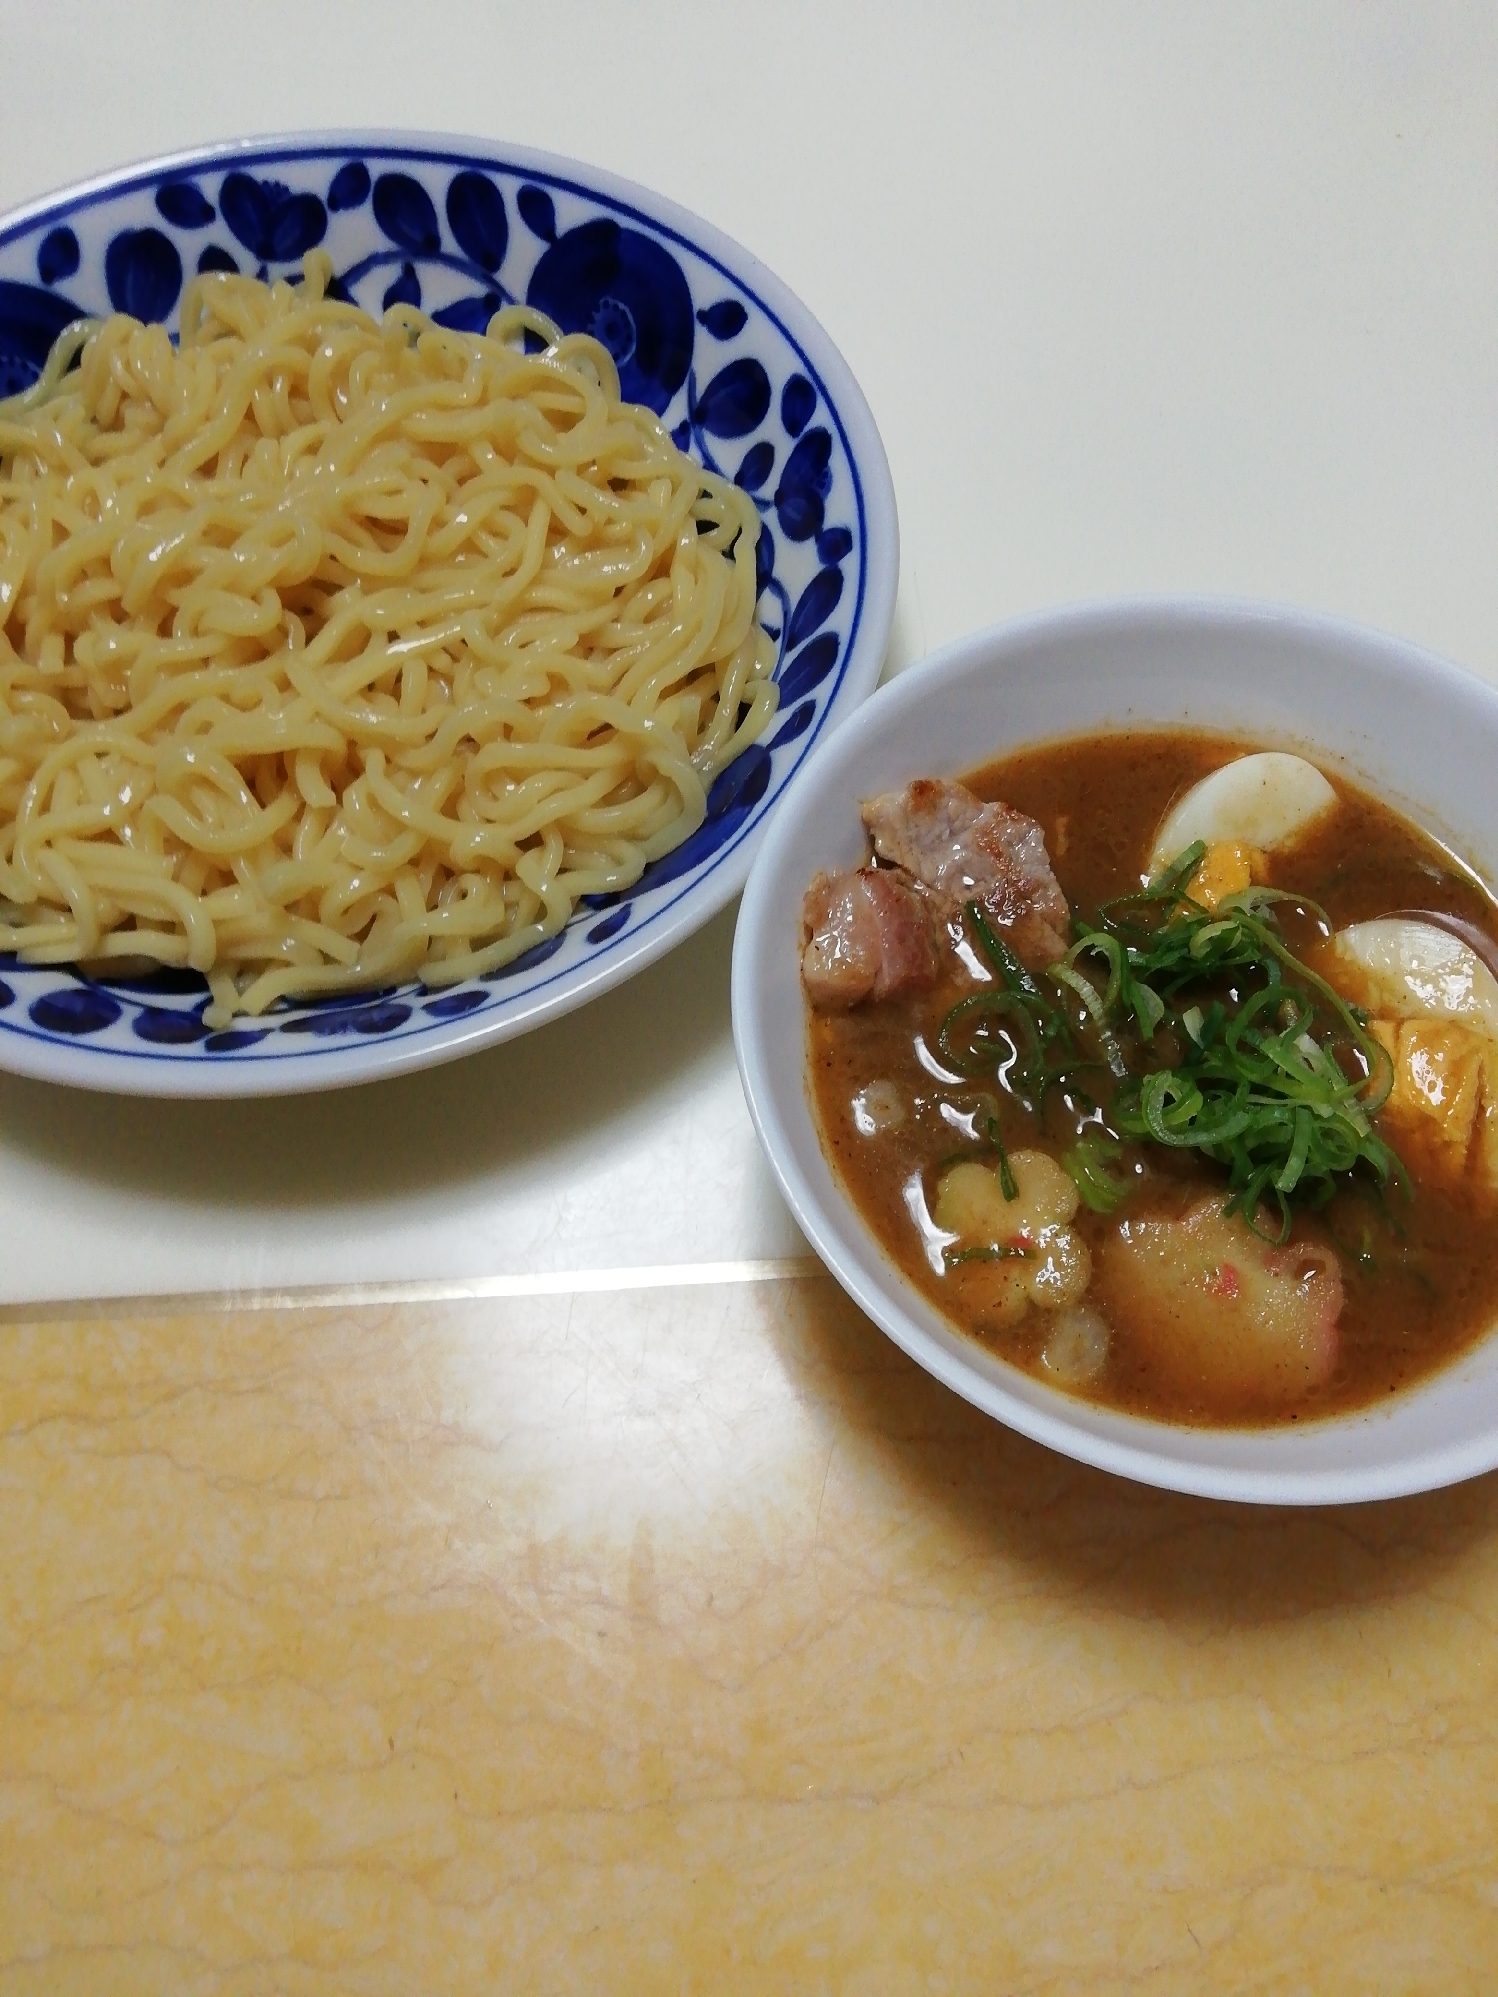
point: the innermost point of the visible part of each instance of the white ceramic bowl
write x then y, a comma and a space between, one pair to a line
1414, 729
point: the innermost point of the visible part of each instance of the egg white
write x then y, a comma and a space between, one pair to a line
1266, 800
1407, 969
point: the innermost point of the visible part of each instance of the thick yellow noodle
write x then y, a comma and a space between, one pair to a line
336, 652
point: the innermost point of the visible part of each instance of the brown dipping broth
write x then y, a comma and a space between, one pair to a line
1419, 1275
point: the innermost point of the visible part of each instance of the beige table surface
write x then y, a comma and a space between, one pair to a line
581, 1595
691, 1640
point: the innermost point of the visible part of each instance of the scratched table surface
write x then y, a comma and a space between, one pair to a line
453, 1535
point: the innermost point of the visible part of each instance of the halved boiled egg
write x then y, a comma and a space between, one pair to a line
1436, 1015
1263, 801
1402, 968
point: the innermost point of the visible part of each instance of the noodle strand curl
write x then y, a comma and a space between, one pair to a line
338, 652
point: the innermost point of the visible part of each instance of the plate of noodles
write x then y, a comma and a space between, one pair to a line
423, 565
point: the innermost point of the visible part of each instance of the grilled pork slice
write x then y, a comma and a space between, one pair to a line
865, 935
964, 850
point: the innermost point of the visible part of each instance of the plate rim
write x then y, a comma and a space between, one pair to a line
314, 1069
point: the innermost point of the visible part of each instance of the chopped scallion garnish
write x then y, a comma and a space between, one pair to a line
1259, 1086
1218, 1038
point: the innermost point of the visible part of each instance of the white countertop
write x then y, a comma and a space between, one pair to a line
1144, 298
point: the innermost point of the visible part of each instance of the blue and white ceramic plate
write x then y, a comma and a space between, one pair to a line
736, 367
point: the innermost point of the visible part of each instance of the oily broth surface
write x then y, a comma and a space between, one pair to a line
1099, 802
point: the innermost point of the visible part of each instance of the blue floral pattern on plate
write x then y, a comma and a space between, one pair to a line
735, 368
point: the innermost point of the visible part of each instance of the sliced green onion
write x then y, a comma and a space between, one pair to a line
1149, 1008
1169, 884
999, 954
1088, 1165
1007, 1184
953, 1256
967, 1038
1300, 1150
